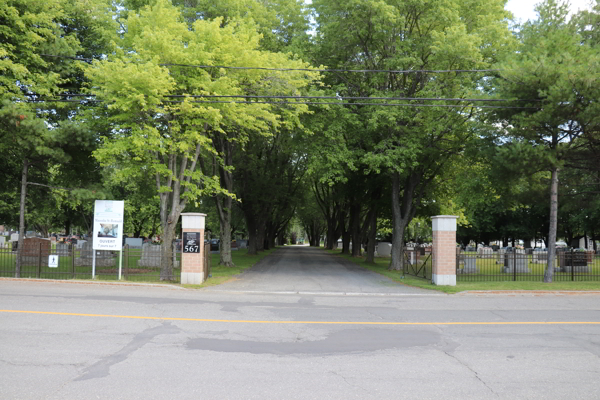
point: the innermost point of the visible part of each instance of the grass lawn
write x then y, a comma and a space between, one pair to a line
381, 267
221, 274
130, 270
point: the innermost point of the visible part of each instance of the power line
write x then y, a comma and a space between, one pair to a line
406, 71
310, 103
316, 97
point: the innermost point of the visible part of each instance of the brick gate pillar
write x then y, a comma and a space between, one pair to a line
192, 249
444, 250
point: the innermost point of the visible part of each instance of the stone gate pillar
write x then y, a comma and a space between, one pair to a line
192, 249
444, 250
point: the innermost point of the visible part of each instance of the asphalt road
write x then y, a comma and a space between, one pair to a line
85, 341
306, 270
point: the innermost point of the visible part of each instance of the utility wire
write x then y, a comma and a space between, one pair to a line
406, 71
315, 97
309, 103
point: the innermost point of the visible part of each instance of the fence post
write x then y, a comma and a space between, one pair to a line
572, 266
39, 266
126, 255
515, 265
192, 268
443, 267
72, 252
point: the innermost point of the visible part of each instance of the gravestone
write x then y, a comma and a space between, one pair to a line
470, 265
2, 240
573, 261
485, 252
14, 237
62, 249
151, 256
103, 258
495, 247
540, 256
500, 255
35, 251
80, 243
242, 243
516, 260
134, 243
384, 249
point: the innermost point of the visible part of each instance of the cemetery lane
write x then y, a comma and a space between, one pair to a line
303, 269
71, 341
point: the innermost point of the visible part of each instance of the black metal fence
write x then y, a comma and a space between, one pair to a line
71, 262
511, 265
417, 262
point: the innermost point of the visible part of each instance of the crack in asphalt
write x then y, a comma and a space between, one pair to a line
475, 373
101, 368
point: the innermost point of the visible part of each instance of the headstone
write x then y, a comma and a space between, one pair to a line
575, 261
540, 256
134, 243
500, 255
517, 261
485, 252
14, 237
151, 256
62, 249
2, 241
242, 243
495, 247
35, 251
340, 244
470, 265
80, 243
384, 249
104, 258
470, 249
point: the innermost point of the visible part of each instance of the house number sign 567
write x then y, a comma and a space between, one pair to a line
191, 242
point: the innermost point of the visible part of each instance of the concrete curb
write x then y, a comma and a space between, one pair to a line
530, 292
94, 282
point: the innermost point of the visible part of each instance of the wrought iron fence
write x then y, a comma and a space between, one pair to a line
503, 265
72, 262
417, 262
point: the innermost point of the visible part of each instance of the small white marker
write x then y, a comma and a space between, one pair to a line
53, 261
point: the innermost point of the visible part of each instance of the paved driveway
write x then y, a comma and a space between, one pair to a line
306, 270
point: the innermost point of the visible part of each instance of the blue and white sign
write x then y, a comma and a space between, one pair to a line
53, 261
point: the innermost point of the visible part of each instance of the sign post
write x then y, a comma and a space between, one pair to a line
108, 229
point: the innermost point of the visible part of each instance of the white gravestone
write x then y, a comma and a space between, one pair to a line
384, 249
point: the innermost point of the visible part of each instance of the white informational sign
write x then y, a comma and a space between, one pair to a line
108, 225
53, 261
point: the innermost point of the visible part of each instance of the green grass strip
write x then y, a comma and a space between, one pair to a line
382, 263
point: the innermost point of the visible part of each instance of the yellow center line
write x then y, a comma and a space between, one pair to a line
307, 322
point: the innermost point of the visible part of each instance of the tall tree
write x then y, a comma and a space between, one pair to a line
158, 126
410, 145
558, 72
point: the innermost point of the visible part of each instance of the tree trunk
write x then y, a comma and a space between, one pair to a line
225, 243
372, 236
355, 230
402, 213
549, 274
21, 241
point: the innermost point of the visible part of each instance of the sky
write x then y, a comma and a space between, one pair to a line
523, 9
